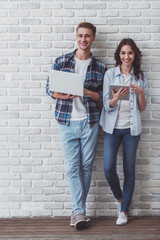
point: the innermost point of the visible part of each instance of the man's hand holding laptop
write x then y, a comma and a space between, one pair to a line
86, 92
66, 85
91, 94
63, 96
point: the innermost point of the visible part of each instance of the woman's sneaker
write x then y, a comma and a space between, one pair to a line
122, 219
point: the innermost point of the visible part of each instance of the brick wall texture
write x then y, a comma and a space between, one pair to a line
33, 177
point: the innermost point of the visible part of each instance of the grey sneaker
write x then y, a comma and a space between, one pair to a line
72, 219
87, 219
79, 221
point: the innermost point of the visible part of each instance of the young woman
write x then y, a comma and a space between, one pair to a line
121, 121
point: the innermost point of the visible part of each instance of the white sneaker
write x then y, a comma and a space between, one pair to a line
122, 219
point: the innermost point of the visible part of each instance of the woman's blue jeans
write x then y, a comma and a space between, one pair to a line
79, 142
111, 145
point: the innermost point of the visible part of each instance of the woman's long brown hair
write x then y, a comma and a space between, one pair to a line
137, 60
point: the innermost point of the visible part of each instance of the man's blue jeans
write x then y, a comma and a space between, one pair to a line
79, 142
111, 146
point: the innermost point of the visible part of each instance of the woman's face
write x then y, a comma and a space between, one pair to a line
127, 55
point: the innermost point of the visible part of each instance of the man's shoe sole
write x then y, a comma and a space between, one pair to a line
87, 221
80, 224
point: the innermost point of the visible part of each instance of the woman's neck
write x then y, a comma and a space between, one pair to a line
126, 69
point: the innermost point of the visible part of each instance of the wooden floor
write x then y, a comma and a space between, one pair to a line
138, 228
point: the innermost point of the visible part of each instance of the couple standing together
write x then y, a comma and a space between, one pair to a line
78, 119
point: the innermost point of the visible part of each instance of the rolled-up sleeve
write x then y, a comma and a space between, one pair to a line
54, 67
100, 86
145, 87
106, 99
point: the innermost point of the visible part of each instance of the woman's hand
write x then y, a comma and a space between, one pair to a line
136, 89
121, 93
118, 95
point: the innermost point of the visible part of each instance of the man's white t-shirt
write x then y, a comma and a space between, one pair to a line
78, 108
124, 114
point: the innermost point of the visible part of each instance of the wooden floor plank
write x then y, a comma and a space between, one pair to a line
104, 228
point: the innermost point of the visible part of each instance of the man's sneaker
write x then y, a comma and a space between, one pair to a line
79, 221
122, 219
87, 219
72, 219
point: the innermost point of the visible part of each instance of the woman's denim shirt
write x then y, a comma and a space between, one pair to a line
109, 115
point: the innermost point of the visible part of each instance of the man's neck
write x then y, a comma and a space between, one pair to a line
82, 55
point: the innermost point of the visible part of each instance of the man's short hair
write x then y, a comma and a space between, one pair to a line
87, 25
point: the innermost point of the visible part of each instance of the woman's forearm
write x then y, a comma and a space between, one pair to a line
142, 101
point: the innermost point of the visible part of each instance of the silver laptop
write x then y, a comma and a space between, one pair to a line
66, 82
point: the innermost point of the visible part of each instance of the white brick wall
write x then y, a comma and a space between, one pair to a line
33, 178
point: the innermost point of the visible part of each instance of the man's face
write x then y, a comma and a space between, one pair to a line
85, 38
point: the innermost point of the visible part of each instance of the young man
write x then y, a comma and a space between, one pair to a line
78, 118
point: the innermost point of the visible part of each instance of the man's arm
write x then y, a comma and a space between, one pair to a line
100, 86
98, 95
55, 67
91, 94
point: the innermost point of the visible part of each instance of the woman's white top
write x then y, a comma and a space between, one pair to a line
124, 113
78, 108
109, 114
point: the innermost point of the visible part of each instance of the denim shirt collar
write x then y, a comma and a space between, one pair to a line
118, 71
